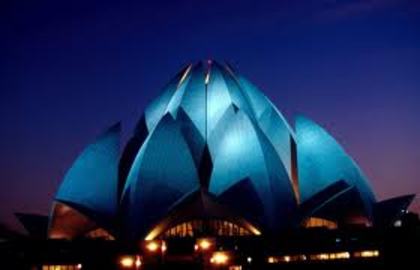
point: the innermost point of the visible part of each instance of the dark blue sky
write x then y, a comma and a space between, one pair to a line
69, 69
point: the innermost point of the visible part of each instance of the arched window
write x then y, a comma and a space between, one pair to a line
197, 228
314, 222
99, 233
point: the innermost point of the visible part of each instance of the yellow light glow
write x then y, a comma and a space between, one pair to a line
127, 261
154, 233
331, 256
163, 247
292, 258
152, 246
219, 258
254, 230
323, 256
62, 267
369, 253
138, 261
204, 244
342, 255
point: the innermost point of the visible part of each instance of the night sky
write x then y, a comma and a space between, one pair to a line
69, 69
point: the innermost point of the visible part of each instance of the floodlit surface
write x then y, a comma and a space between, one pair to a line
322, 161
247, 137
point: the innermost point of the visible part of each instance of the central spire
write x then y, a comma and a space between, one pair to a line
206, 163
206, 82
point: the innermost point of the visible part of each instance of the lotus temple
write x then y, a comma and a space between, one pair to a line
212, 156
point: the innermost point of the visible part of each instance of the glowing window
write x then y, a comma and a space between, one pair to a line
196, 228
100, 233
62, 267
314, 222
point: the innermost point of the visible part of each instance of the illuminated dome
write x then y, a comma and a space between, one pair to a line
211, 155
211, 131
